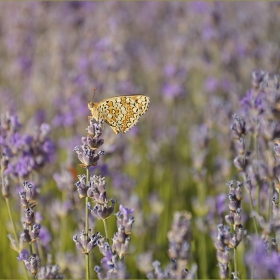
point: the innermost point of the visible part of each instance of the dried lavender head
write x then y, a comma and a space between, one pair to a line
114, 268
86, 244
87, 152
49, 272
103, 212
97, 190
239, 127
179, 251
225, 238
121, 238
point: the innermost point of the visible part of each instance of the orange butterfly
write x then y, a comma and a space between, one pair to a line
120, 112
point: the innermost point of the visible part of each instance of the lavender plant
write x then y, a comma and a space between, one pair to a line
179, 238
195, 67
94, 187
21, 156
229, 237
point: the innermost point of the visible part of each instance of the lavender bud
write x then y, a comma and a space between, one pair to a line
23, 200
35, 231
231, 188
240, 162
276, 147
237, 217
4, 161
6, 187
29, 190
233, 242
33, 265
81, 186
185, 273
29, 216
25, 236
239, 233
239, 127
220, 246
238, 191
78, 244
233, 204
257, 78
248, 186
93, 241
100, 275
229, 219
240, 146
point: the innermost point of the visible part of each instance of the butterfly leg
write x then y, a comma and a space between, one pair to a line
90, 118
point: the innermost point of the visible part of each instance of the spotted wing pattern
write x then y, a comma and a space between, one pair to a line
122, 112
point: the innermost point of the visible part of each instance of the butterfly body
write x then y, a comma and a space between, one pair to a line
120, 112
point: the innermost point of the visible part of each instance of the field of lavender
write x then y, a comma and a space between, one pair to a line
192, 191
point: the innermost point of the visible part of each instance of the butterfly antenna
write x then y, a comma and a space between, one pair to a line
94, 93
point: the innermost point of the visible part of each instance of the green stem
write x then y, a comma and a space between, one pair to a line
234, 257
12, 221
106, 230
63, 224
270, 193
252, 206
203, 255
254, 219
86, 225
235, 262
41, 252
257, 159
14, 228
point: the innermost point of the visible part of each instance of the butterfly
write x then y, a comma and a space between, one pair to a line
120, 112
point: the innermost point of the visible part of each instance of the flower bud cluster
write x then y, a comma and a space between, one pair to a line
85, 243
113, 267
179, 238
104, 207
87, 152
238, 132
226, 240
49, 272
121, 238
31, 230
43, 272
21, 154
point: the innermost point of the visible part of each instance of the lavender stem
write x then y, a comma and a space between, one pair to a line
106, 230
41, 253
252, 208
234, 257
63, 223
258, 186
86, 221
203, 254
11, 219
13, 225
270, 194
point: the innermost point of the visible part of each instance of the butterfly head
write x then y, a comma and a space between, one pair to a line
90, 105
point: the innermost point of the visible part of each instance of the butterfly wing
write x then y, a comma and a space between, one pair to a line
123, 112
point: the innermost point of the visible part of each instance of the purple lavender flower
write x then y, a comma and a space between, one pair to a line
24, 254
265, 264
45, 236
24, 153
